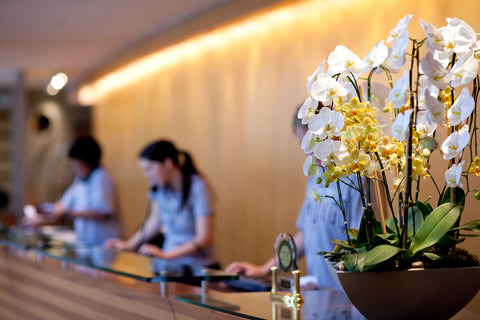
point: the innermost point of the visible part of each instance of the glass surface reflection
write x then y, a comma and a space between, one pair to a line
123, 263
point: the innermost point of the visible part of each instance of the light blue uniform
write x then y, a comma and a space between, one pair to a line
96, 193
323, 221
178, 223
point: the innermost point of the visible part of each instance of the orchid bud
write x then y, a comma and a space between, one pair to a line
429, 143
477, 195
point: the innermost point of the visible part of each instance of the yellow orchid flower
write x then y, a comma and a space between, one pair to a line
474, 166
357, 161
332, 174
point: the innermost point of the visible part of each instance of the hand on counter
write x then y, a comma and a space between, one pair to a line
115, 244
35, 216
152, 250
248, 269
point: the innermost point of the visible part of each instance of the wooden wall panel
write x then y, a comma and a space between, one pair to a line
231, 107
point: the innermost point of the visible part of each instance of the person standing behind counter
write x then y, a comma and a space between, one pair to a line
181, 209
317, 223
91, 199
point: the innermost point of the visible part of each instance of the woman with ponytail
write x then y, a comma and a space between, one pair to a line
181, 208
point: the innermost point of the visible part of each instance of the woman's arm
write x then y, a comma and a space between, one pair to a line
203, 238
147, 231
249, 269
299, 244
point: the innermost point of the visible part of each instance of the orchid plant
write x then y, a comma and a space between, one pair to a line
347, 139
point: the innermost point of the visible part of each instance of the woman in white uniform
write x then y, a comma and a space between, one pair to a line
181, 209
91, 200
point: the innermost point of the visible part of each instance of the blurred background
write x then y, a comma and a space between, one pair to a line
221, 78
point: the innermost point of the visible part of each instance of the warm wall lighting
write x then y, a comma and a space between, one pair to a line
259, 23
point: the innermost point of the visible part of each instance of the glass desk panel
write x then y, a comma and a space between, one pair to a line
21, 238
318, 304
123, 263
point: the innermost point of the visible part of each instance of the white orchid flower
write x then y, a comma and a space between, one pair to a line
462, 108
308, 142
458, 36
307, 110
397, 54
378, 99
398, 94
400, 31
309, 167
400, 125
465, 70
423, 125
476, 48
376, 56
453, 175
433, 91
327, 123
434, 70
455, 143
436, 110
435, 38
325, 89
311, 79
329, 149
342, 60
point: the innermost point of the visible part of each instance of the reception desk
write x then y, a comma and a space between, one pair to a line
41, 279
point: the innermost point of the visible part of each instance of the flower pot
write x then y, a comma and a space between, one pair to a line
410, 294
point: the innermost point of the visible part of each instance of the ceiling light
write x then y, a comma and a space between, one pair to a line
59, 81
51, 90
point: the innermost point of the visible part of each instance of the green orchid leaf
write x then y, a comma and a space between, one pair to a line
435, 226
368, 260
353, 233
425, 208
447, 242
344, 245
414, 225
322, 253
432, 256
459, 196
473, 226
366, 232
390, 225
388, 238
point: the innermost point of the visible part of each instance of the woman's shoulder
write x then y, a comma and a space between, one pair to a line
100, 173
198, 182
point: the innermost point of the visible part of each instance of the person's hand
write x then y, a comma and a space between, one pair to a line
246, 268
35, 221
47, 207
309, 282
152, 250
115, 244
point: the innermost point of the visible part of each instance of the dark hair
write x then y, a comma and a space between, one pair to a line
43, 123
86, 149
4, 199
296, 121
163, 149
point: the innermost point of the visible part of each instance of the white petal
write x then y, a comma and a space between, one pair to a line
436, 110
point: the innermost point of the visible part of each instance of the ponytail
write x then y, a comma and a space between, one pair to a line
188, 169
